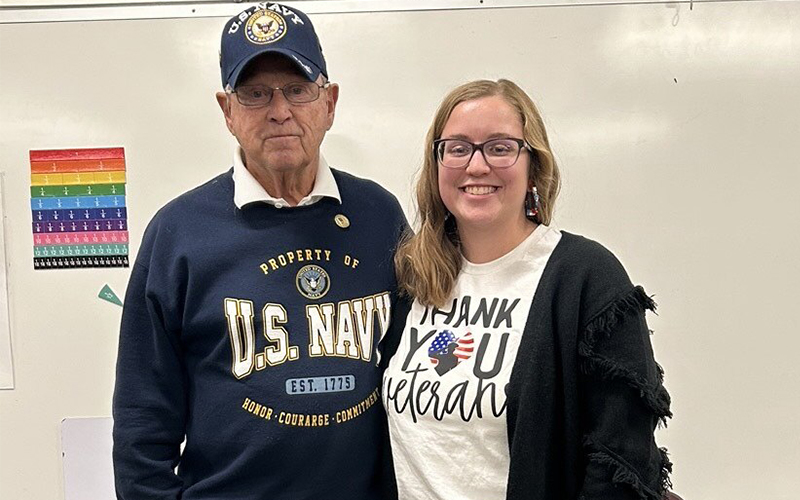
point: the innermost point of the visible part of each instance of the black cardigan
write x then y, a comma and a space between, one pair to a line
585, 394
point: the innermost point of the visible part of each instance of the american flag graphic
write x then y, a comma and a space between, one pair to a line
441, 343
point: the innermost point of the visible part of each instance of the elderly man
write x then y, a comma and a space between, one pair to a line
256, 306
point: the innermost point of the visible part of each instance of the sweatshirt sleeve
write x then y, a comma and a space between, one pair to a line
150, 402
623, 401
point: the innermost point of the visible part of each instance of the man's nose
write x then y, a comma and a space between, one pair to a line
279, 109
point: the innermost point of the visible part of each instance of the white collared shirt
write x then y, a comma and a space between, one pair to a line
248, 190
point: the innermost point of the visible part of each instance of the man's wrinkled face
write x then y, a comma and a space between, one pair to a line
281, 136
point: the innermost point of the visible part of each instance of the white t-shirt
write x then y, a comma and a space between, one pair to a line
444, 389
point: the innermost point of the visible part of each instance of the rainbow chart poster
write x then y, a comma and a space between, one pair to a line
79, 215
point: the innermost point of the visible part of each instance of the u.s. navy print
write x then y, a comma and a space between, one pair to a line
343, 329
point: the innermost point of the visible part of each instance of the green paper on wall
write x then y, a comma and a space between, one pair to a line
108, 294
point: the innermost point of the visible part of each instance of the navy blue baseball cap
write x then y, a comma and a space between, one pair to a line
270, 27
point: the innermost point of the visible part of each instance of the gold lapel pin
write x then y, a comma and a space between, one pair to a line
342, 221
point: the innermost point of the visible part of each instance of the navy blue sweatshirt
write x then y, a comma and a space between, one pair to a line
254, 334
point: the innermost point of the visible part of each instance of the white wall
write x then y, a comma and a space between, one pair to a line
675, 129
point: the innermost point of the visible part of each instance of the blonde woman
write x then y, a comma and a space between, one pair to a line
524, 369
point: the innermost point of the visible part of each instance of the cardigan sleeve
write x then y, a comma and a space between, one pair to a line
623, 401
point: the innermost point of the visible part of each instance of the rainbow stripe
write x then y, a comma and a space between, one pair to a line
79, 215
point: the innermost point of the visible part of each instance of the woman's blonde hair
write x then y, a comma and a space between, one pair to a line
429, 261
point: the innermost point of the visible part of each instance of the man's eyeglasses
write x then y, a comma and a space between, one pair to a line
261, 95
498, 153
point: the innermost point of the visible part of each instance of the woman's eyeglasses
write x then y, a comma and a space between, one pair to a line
498, 153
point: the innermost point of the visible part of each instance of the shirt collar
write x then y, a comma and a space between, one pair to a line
246, 189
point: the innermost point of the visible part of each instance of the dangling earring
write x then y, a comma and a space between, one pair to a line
532, 204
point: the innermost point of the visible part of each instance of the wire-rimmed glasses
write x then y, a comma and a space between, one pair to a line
295, 93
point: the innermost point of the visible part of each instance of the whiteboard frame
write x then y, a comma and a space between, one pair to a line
6, 351
18, 14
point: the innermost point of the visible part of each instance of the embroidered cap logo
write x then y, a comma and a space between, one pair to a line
265, 26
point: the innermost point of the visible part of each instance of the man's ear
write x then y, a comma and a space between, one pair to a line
332, 98
225, 105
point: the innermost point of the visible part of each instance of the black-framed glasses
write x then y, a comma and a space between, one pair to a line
295, 93
498, 153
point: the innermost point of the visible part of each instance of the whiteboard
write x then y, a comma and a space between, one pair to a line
676, 130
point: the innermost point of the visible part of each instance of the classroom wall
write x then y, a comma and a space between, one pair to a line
675, 128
